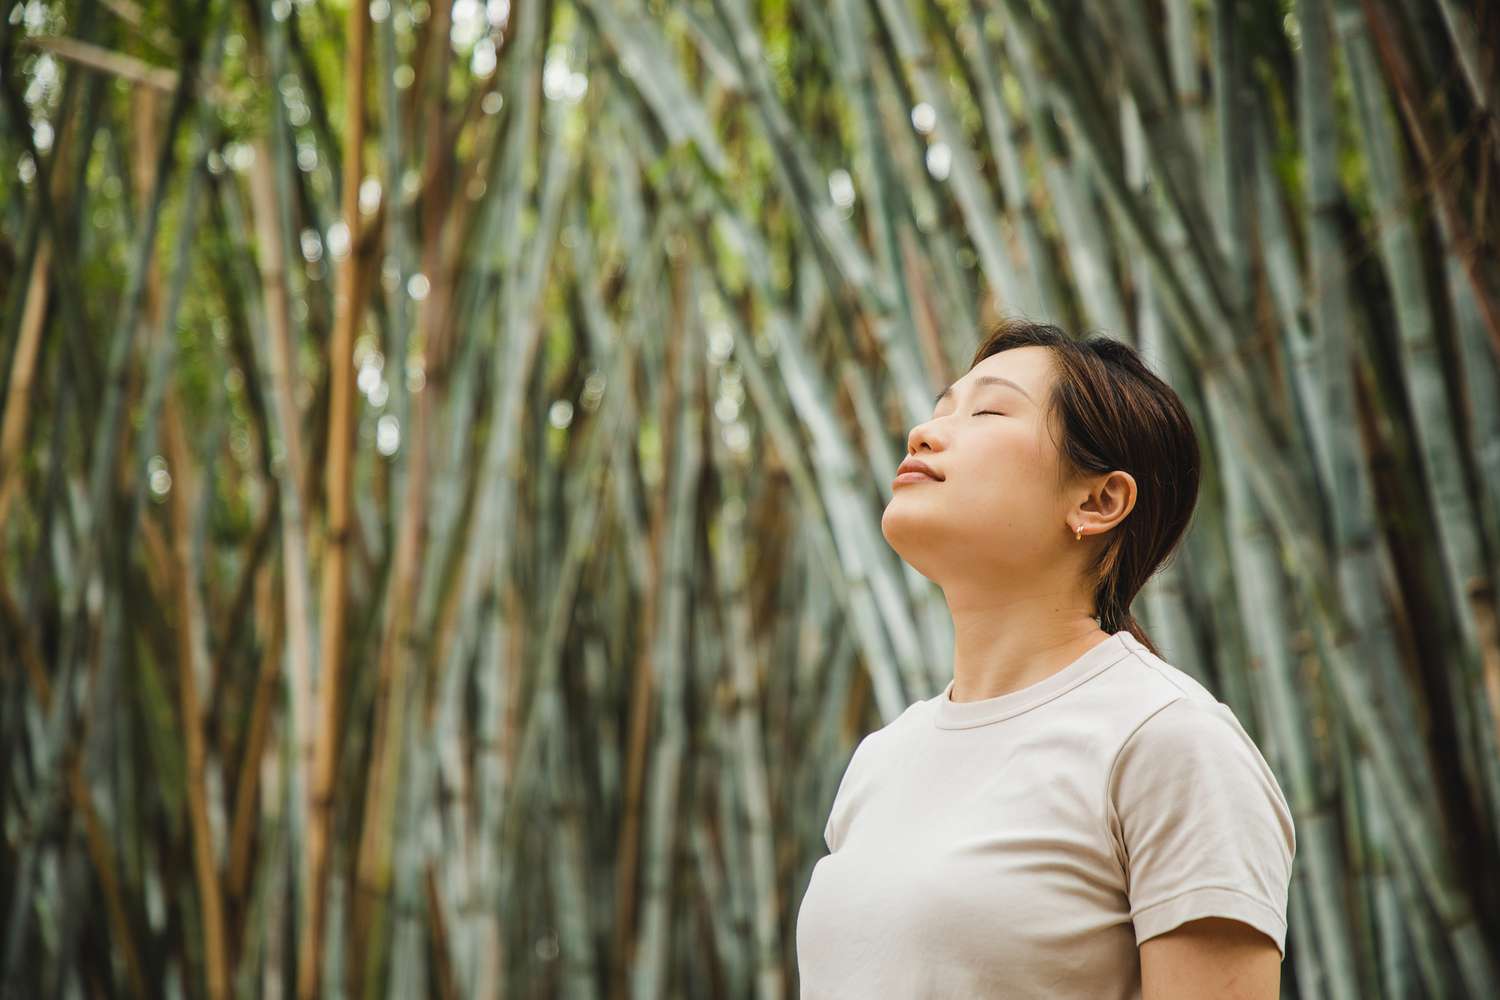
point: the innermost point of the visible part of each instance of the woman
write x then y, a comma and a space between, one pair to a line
1071, 816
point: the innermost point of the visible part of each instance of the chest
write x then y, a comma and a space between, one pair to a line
989, 872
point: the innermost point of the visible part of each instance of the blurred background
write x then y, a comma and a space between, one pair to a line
444, 445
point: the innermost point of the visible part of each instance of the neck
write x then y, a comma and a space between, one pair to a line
1003, 644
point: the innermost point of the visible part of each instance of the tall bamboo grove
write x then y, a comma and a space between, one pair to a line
442, 449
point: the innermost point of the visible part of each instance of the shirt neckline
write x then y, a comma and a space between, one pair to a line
949, 714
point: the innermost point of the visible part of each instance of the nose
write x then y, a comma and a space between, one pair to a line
919, 436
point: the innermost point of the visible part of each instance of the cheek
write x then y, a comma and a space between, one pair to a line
1008, 485
1008, 462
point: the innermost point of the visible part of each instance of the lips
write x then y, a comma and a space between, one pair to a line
916, 465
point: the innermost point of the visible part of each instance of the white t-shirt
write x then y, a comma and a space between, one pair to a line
1024, 846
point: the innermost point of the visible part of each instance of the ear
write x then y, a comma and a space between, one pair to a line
1111, 497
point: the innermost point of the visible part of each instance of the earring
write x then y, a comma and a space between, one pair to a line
1078, 534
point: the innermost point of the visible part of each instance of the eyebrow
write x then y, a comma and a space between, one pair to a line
984, 380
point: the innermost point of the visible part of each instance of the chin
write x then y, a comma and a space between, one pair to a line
908, 532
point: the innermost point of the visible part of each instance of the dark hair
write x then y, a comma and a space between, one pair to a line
1115, 413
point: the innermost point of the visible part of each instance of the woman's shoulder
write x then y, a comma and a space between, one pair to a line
1163, 677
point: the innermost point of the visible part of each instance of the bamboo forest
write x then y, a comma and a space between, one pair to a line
443, 446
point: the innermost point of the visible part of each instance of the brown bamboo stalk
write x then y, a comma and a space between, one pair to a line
102, 856
136, 71
924, 309
29, 335
1477, 264
22, 372
395, 661
246, 791
31, 658
641, 697
210, 897
446, 987
348, 303
157, 556
1479, 592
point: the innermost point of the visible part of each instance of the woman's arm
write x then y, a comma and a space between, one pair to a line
1212, 958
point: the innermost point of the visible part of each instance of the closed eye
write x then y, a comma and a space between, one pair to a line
995, 412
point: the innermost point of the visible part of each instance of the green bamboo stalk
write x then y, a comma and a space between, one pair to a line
417, 830
1173, 160
747, 752
1457, 524
620, 352
919, 199
1421, 923
399, 221
1269, 622
1167, 594
790, 354
650, 976
981, 217
1186, 305
1466, 36
159, 363
561, 161
477, 934
1328, 385
1482, 383
1068, 187
832, 470
1266, 618
934, 626
93, 540
1393, 955
839, 254
924, 672
568, 866
1276, 486
847, 510
876, 174
969, 36
1283, 270
276, 359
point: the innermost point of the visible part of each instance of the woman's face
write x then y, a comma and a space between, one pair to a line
999, 510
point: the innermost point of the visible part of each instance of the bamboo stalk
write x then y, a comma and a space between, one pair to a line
126, 67
98, 491
504, 598
348, 306
1456, 528
22, 375
748, 754
1330, 389
900, 334
1354, 690
973, 195
189, 610
277, 359
1477, 265
253, 760
109, 880
650, 976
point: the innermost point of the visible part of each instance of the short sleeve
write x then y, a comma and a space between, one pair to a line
1201, 823
838, 813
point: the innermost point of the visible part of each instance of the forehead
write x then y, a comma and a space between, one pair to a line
1030, 366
